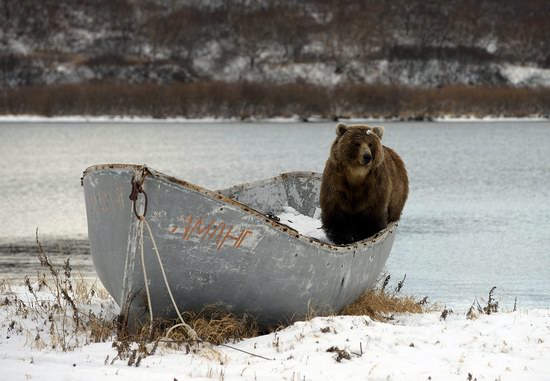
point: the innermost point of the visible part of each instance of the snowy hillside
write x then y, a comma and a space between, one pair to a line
316, 41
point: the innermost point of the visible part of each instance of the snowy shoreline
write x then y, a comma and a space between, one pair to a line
40, 339
295, 119
500, 346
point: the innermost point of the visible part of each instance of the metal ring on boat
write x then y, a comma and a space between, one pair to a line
139, 190
137, 180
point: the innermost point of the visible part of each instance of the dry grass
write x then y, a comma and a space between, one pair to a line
57, 311
217, 326
262, 100
379, 304
491, 307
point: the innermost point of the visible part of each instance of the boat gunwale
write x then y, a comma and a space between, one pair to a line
216, 195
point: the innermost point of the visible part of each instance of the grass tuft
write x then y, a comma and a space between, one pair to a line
491, 306
64, 310
379, 304
217, 326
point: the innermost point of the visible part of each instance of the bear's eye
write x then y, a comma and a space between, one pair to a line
358, 144
370, 145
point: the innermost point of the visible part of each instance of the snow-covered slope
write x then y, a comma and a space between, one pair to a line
324, 43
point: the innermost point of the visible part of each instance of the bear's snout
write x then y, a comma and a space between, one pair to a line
367, 158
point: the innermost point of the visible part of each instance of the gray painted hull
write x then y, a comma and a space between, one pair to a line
219, 248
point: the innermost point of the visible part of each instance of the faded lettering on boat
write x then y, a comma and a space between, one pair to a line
209, 229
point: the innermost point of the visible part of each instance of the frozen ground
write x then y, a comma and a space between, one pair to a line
500, 346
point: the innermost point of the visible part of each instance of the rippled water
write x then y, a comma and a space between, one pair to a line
478, 213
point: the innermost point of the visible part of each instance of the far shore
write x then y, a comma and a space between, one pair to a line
293, 119
267, 102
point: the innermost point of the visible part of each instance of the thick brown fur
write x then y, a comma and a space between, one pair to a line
364, 187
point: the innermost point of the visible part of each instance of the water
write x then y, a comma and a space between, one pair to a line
478, 213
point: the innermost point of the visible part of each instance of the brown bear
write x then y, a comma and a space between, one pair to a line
364, 186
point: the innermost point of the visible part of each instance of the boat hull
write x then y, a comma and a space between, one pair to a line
219, 248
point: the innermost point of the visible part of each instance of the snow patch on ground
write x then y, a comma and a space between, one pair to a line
489, 118
19, 46
293, 119
505, 346
317, 73
526, 75
109, 119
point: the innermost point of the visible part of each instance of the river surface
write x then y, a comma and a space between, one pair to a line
478, 213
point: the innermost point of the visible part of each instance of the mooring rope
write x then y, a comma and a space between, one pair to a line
137, 182
190, 331
145, 271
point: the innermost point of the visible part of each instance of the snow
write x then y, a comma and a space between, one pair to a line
526, 75
305, 225
500, 346
294, 119
19, 46
492, 46
107, 119
491, 119
429, 72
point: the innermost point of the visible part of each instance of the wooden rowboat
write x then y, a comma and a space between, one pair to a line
220, 247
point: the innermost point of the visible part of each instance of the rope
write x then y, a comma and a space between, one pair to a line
137, 182
145, 270
136, 189
221, 345
190, 331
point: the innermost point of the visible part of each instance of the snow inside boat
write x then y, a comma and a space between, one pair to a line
220, 247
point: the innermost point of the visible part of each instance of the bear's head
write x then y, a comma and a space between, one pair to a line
358, 146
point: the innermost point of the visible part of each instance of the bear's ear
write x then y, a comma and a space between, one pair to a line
341, 128
379, 131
